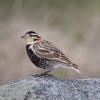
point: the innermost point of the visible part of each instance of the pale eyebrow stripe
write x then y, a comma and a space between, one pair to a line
33, 35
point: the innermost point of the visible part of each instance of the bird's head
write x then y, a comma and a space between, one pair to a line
31, 37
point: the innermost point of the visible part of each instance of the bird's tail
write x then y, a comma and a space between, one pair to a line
78, 71
72, 66
75, 68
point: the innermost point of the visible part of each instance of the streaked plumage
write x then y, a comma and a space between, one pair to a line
44, 54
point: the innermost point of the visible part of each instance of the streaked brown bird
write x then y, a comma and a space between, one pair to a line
46, 55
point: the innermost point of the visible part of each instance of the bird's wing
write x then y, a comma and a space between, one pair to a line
47, 50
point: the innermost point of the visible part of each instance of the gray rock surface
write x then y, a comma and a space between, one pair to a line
51, 88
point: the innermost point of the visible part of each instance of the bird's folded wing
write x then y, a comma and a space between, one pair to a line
49, 51
57, 56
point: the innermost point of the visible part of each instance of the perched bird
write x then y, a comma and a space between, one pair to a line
46, 55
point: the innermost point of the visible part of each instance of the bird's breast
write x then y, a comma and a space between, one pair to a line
33, 57
38, 61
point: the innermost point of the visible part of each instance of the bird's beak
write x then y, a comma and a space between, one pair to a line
23, 36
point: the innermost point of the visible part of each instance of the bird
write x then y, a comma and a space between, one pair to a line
45, 55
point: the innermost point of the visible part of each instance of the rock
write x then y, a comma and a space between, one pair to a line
51, 88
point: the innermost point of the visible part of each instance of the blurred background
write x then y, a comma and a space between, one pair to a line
72, 25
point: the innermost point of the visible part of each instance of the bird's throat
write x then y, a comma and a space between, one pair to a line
29, 40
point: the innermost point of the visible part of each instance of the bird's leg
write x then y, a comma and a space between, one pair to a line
43, 74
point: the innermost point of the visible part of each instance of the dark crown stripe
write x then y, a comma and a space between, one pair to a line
31, 32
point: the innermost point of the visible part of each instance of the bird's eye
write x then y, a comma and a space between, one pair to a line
30, 35
35, 39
